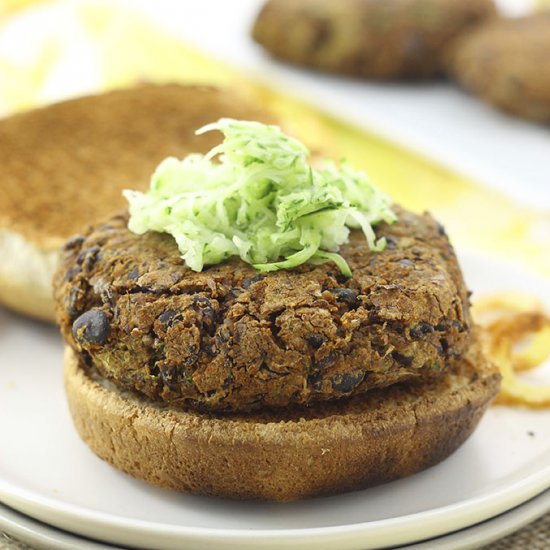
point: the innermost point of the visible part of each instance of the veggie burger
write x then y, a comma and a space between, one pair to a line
257, 327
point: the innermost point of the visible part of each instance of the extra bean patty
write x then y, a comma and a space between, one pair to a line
233, 339
507, 63
371, 38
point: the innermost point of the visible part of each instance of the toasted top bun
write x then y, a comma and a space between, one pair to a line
64, 167
294, 453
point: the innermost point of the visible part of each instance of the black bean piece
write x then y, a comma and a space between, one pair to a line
75, 270
315, 340
88, 257
457, 325
402, 359
73, 242
145, 289
405, 261
209, 318
208, 350
441, 230
166, 317
341, 278
249, 282
345, 296
391, 242
201, 300
420, 329
327, 361
374, 318
234, 292
92, 327
439, 350
203, 306
82, 255
346, 383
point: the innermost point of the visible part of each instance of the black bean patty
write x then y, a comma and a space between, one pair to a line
507, 63
233, 339
370, 38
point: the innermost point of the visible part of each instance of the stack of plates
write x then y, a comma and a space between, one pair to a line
41, 535
496, 482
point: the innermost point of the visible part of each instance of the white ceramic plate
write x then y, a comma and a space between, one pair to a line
39, 535
49, 474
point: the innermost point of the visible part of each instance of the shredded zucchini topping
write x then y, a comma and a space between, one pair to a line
261, 201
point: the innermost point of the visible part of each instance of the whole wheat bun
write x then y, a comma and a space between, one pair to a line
288, 455
64, 166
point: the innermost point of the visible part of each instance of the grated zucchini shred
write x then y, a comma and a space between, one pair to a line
260, 200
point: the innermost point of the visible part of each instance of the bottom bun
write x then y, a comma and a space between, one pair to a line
287, 455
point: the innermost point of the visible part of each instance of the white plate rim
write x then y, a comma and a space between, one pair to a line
29, 531
431, 523
490, 530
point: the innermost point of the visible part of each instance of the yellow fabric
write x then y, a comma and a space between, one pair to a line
131, 49
9, 6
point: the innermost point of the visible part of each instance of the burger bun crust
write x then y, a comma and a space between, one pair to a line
285, 455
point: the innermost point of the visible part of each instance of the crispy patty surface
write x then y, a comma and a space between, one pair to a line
507, 63
371, 38
232, 339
